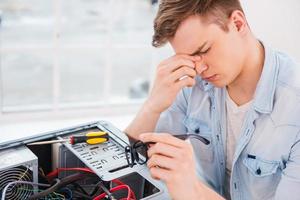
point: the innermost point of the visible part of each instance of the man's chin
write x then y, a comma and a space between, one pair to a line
218, 84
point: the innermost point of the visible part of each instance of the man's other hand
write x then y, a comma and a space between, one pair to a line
172, 161
172, 75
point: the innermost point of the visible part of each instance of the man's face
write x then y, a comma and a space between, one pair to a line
222, 52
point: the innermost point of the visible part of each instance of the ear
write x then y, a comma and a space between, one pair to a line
239, 21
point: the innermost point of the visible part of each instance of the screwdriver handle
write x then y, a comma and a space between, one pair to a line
90, 138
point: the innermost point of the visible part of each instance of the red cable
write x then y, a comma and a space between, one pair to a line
119, 187
55, 173
120, 184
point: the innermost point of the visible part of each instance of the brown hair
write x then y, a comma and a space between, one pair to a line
172, 12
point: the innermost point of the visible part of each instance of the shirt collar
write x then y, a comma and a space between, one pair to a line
203, 85
265, 90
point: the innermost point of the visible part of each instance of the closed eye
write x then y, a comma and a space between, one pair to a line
204, 52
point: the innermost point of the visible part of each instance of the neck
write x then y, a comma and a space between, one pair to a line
242, 89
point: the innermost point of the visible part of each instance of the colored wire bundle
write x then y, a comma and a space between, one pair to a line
60, 183
52, 196
57, 186
106, 192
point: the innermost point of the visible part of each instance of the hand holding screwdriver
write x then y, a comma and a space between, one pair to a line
132, 151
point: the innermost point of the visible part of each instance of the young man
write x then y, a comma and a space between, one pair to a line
225, 85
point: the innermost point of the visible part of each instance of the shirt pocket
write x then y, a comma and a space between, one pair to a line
262, 174
202, 151
260, 167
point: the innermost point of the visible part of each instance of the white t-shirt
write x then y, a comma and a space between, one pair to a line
235, 119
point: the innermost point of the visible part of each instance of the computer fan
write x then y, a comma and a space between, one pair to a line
18, 164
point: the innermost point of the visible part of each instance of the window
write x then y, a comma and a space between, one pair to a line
68, 54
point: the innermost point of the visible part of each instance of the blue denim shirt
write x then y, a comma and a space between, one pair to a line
266, 163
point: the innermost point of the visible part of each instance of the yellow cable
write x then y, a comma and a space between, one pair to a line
57, 194
23, 174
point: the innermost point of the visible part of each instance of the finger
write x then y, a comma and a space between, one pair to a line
162, 162
151, 145
163, 149
177, 63
162, 138
160, 174
185, 82
183, 56
195, 58
182, 72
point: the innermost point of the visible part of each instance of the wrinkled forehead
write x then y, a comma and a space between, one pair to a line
192, 33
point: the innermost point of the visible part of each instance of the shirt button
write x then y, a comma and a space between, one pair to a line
258, 171
197, 130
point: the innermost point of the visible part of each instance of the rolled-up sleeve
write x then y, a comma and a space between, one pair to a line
171, 120
289, 185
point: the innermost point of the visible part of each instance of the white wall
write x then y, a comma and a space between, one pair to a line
276, 22
273, 21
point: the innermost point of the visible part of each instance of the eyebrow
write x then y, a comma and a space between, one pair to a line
199, 49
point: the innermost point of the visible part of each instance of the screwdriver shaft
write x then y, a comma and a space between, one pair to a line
49, 142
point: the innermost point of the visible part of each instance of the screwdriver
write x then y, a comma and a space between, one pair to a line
89, 138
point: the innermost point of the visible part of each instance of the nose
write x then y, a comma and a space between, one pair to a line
200, 67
